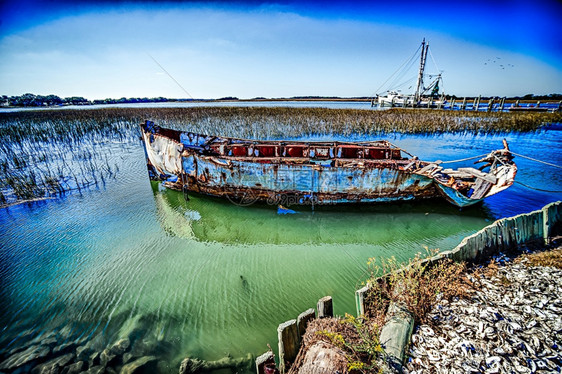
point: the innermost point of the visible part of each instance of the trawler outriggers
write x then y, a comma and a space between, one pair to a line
424, 96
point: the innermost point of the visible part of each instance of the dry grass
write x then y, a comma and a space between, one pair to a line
354, 338
419, 285
552, 258
283, 121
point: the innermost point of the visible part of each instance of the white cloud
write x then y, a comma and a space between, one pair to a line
264, 52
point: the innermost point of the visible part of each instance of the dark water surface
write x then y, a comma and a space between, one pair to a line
206, 278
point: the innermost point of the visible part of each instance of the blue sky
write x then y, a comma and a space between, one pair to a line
275, 49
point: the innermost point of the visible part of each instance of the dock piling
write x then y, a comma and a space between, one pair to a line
303, 320
325, 307
289, 343
267, 360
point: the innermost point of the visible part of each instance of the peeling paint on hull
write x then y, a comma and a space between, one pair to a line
288, 184
290, 173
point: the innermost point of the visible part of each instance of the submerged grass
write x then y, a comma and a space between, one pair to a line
46, 152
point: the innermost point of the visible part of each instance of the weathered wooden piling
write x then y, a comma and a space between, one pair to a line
289, 344
303, 319
325, 307
463, 107
360, 296
265, 363
552, 221
477, 106
441, 101
490, 105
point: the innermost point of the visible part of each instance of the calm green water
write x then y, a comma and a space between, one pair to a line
206, 278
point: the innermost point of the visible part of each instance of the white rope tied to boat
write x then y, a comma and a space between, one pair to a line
535, 188
462, 159
534, 159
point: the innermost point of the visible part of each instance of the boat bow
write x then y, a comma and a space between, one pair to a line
468, 186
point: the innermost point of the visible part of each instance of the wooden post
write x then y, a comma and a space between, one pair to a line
265, 361
546, 226
517, 103
538, 104
560, 105
477, 106
289, 343
453, 104
502, 104
490, 104
360, 300
325, 308
303, 319
463, 104
552, 218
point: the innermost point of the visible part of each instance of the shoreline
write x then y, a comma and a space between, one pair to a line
512, 323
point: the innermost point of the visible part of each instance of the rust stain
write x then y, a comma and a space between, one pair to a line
312, 172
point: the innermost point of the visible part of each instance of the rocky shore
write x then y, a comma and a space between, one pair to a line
511, 324
134, 349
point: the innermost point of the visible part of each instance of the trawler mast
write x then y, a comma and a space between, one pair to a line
423, 57
394, 98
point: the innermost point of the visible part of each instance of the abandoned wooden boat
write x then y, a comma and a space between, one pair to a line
295, 172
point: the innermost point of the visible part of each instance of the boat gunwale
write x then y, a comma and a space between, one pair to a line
238, 141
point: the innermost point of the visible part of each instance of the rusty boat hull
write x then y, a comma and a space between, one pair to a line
289, 172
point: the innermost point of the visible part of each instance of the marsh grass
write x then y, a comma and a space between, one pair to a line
418, 285
46, 152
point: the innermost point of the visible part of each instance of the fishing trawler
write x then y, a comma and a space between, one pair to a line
308, 173
423, 97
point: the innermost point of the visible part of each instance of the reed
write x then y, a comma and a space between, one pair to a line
45, 152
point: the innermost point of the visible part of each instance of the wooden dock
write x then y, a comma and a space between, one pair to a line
480, 104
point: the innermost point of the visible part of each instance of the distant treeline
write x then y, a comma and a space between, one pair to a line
32, 100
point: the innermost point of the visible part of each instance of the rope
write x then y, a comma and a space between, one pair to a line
534, 159
535, 188
432, 59
462, 159
397, 70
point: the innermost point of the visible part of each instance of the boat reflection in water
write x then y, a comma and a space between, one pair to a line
209, 219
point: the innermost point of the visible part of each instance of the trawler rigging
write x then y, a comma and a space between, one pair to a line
423, 96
